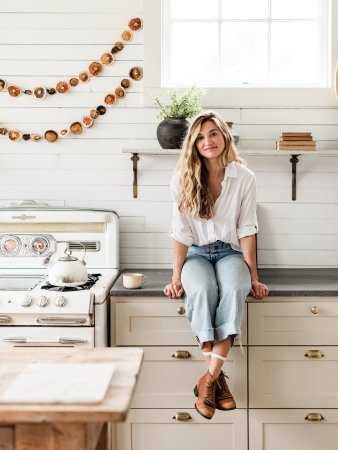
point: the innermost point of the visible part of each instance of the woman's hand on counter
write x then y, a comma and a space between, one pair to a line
259, 290
174, 289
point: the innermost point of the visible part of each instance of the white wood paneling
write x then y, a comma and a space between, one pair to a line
287, 116
44, 42
64, 20
114, 116
39, 6
56, 52
75, 99
58, 69
74, 36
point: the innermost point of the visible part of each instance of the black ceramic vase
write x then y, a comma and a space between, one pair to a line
171, 132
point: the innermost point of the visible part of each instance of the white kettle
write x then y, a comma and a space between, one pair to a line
67, 270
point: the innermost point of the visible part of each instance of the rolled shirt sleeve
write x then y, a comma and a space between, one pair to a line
247, 224
180, 229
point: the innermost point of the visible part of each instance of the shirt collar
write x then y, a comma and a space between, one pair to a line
230, 171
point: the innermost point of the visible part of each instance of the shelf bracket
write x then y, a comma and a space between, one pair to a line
135, 158
294, 160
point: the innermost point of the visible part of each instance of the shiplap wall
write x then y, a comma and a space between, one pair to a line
43, 42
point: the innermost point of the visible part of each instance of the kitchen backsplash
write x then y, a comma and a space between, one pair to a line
90, 170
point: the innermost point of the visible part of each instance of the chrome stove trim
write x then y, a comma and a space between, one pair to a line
31, 205
29, 340
89, 246
60, 320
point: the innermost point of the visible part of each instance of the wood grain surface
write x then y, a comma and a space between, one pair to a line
113, 408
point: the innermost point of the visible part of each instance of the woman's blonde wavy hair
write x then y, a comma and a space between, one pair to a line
196, 199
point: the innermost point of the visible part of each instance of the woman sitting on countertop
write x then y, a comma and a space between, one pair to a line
214, 227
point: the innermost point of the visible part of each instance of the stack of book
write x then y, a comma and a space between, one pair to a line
296, 141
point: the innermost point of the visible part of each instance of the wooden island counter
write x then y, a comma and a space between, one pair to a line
67, 426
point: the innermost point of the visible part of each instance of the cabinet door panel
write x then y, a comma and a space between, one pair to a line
168, 382
310, 322
155, 324
288, 429
283, 377
157, 430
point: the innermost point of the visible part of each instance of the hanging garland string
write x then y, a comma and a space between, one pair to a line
135, 73
94, 69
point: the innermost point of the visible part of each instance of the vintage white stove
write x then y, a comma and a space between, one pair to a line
34, 313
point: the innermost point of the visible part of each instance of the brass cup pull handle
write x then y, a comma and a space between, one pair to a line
180, 310
181, 354
314, 354
182, 416
314, 417
314, 309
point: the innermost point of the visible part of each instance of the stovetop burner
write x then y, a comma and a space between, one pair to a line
92, 279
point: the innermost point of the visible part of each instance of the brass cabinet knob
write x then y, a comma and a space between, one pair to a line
314, 354
181, 354
182, 416
180, 310
314, 309
314, 417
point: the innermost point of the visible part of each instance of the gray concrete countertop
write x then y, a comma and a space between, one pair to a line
281, 282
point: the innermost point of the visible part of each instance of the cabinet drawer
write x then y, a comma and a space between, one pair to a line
156, 429
155, 324
272, 429
168, 382
283, 377
294, 323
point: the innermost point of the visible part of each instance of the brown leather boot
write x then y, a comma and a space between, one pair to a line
223, 396
205, 391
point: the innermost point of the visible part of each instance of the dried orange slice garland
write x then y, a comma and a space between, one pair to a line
135, 73
94, 69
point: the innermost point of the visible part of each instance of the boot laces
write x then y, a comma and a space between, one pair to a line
223, 387
210, 393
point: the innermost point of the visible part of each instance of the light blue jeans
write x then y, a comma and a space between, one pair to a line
216, 281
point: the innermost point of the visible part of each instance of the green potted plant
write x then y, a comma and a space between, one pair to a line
181, 106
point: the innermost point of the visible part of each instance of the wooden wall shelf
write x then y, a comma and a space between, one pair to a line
135, 152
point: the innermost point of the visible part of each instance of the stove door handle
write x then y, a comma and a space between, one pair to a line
69, 340
5, 319
29, 340
60, 320
15, 339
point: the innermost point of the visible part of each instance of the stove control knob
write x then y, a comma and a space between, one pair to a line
60, 301
42, 301
26, 301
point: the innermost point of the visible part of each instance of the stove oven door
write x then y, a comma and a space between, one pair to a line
82, 337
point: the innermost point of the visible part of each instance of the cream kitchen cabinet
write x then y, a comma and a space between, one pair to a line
169, 373
168, 429
151, 322
293, 363
284, 382
293, 429
293, 377
162, 414
294, 321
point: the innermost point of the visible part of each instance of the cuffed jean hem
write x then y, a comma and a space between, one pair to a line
227, 329
204, 335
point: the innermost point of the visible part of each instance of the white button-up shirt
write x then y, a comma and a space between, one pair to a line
234, 211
